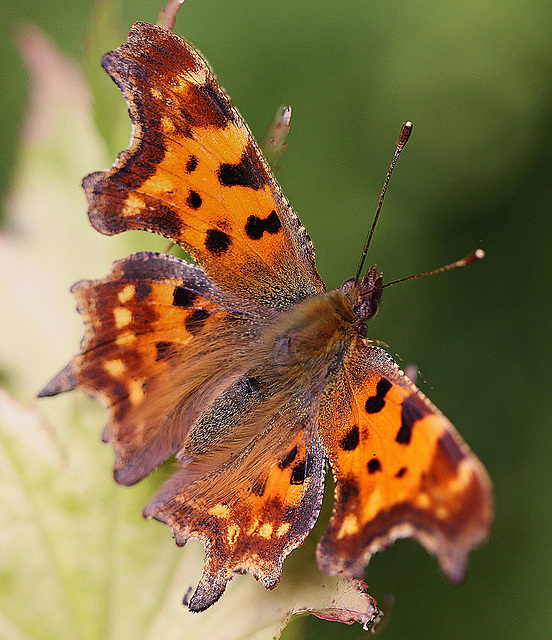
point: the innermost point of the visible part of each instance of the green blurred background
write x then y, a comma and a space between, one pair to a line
476, 80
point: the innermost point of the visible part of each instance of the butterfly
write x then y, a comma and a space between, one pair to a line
243, 365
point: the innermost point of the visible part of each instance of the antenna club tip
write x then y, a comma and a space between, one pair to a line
404, 135
479, 254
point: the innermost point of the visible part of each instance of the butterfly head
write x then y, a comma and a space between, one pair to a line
364, 295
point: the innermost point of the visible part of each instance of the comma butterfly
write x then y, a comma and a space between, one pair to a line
244, 365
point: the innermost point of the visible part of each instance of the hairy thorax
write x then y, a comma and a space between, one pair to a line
287, 363
281, 373
310, 335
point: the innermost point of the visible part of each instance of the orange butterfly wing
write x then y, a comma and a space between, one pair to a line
252, 512
150, 355
194, 174
401, 470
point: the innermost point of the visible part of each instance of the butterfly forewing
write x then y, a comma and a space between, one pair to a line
194, 174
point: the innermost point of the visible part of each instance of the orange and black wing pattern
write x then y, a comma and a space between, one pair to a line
401, 470
156, 331
194, 174
253, 511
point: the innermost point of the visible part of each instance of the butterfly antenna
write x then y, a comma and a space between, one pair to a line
403, 139
478, 254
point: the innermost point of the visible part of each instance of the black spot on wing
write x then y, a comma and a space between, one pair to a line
400, 473
255, 227
412, 410
298, 473
383, 387
217, 242
290, 457
374, 404
374, 465
248, 172
194, 200
191, 163
350, 440
183, 297
196, 321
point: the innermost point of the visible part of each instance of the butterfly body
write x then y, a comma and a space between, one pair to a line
284, 356
243, 366
311, 334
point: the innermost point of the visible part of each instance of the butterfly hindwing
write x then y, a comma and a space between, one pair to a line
194, 174
252, 511
401, 470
